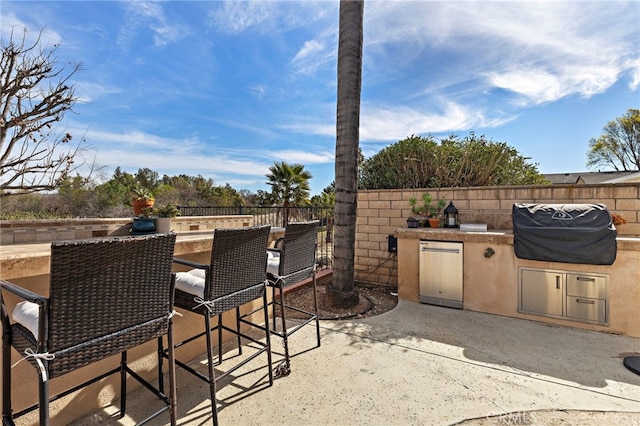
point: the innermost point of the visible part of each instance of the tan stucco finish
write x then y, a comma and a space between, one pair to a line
491, 283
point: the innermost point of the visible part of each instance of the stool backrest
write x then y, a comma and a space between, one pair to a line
238, 260
102, 289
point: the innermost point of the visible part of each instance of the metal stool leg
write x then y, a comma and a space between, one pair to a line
212, 379
283, 369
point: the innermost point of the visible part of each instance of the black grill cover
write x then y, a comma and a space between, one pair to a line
568, 233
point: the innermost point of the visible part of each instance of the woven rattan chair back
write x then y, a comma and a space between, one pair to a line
298, 253
104, 287
296, 263
105, 296
238, 261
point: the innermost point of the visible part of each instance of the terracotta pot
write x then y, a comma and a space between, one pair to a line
434, 222
138, 205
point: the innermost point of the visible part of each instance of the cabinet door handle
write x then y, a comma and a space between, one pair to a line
558, 281
586, 279
588, 302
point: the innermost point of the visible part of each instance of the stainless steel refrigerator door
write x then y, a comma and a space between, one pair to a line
441, 265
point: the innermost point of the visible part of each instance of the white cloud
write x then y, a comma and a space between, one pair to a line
267, 17
141, 16
13, 28
309, 48
166, 34
541, 50
539, 85
303, 157
392, 124
316, 53
273, 18
237, 16
635, 74
258, 90
89, 92
135, 149
135, 140
246, 126
301, 126
311, 64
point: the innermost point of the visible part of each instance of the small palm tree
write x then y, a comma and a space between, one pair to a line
289, 185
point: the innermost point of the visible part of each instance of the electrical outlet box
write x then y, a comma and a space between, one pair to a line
392, 244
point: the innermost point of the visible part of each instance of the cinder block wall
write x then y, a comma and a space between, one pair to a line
381, 212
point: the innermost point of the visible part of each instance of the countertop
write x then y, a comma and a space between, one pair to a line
489, 236
28, 250
15, 251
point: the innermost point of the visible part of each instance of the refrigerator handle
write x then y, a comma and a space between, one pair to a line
440, 250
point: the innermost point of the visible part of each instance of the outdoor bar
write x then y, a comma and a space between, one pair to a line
27, 265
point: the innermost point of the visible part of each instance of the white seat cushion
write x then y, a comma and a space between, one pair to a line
200, 273
27, 313
191, 282
273, 263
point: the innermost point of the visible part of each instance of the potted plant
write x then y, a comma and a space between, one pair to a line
141, 198
429, 209
164, 214
414, 221
143, 223
433, 210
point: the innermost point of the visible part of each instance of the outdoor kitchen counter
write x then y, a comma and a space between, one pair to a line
491, 276
490, 236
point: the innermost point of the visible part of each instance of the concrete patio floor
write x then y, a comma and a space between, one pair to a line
423, 365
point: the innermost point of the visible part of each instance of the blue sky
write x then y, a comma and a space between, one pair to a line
225, 89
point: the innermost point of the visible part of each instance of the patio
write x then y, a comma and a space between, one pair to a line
418, 364
423, 364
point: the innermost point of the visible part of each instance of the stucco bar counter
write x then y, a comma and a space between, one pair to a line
28, 265
490, 276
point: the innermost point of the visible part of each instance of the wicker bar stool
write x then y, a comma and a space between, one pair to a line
235, 276
290, 262
105, 297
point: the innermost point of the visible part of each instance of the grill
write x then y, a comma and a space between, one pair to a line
567, 233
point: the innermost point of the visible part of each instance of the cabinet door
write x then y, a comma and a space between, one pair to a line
585, 309
587, 285
541, 292
441, 272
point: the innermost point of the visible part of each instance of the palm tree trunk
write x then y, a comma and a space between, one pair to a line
342, 291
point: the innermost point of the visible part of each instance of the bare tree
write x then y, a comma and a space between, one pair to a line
35, 94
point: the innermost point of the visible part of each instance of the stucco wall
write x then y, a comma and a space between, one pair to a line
381, 212
490, 284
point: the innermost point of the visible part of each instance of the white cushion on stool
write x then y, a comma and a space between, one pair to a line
27, 313
273, 263
191, 282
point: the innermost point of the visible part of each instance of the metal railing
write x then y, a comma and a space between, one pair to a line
279, 217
